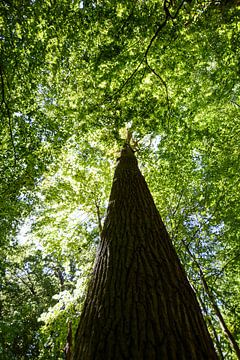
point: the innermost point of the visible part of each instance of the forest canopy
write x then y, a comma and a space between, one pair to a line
74, 77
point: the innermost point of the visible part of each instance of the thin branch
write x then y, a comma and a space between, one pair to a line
178, 9
172, 214
225, 265
11, 134
128, 79
160, 27
98, 216
162, 81
29, 285
234, 103
208, 320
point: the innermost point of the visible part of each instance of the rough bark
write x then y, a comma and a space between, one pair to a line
140, 304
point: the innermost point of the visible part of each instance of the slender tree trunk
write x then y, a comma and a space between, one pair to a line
215, 307
68, 346
210, 324
140, 304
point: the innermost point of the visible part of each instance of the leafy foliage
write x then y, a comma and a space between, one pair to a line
74, 75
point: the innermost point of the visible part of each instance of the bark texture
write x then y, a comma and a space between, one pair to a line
139, 305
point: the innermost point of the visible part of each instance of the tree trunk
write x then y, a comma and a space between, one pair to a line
140, 304
215, 307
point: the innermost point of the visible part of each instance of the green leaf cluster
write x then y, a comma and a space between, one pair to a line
73, 77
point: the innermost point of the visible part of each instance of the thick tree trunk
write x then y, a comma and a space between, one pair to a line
140, 304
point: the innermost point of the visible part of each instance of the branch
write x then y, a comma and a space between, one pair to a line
162, 81
234, 103
59, 275
128, 79
172, 215
29, 285
160, 27
208, 320
225, 265
98, 217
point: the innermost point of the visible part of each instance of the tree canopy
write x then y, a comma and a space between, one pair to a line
75, 75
